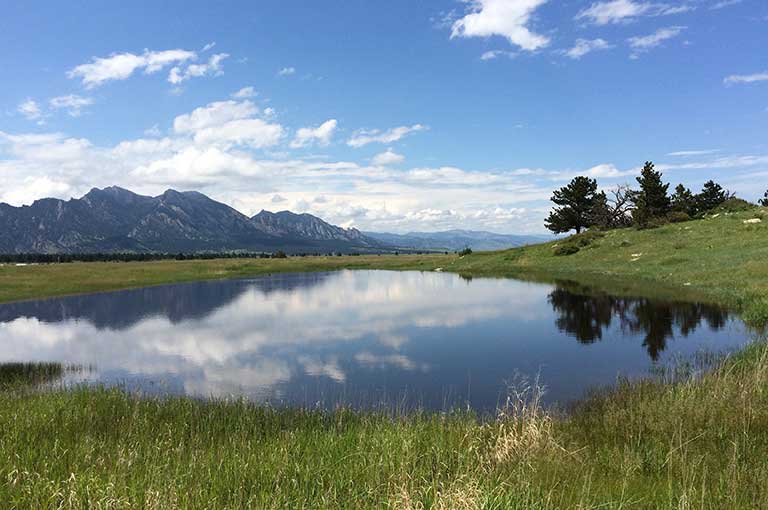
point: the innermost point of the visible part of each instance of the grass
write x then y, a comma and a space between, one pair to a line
685, 439
699, 442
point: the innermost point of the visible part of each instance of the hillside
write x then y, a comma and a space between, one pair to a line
720, 258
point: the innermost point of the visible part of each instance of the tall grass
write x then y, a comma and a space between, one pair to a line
698, 442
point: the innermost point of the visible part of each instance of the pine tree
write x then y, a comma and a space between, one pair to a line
652, 201
764, 200
712, 195
576, 200
684, 201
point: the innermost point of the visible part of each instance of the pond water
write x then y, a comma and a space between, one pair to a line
360, 338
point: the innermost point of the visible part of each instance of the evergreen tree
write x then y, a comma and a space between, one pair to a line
600, 215
576, 201
712, 195
652, 201
764, 200
684, 201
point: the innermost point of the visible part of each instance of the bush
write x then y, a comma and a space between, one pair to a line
577, 241
678, 217
466, 251
735, 205
655, 222
279, 255
566, 249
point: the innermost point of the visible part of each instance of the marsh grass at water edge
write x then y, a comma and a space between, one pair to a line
694, 443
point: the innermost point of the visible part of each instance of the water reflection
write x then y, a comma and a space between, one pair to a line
586, 314
358, 337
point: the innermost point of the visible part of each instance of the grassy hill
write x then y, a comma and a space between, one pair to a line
722, 258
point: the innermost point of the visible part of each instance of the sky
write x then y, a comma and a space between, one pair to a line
387, 116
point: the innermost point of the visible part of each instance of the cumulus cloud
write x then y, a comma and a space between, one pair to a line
211, 68
745, 78
72, 103
320, 135
214, 114
584, 46
224, 149
388, 157
286, 71
245, 93
367, 136
623, 11
120, 66
505, 18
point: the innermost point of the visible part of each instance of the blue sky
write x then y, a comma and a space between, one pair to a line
392, 116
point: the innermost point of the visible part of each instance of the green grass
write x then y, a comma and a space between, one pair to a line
684, 440
695, 443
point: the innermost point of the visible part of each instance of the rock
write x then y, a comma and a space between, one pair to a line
753, 221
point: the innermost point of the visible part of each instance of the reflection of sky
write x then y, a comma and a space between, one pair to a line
280, 337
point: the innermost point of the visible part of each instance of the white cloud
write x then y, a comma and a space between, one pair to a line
321, 135
245, 93
745, 78
505, 18
622, 11
214, 114
254, 133
693, 153
724, 3
584, 46
286, 71
154, 131
120, 66
30, 109
72, 103
212, 68
644, 43
209, 46
364, 137
389, 157
492, 54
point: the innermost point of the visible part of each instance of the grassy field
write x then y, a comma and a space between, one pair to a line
689, 439
696, 443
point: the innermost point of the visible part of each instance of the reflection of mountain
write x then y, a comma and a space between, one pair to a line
121, 310
586, 314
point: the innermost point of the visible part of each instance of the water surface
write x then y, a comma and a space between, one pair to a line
434, 340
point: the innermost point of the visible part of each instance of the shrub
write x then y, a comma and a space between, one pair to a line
735, 205
678, 217
565, 249
578, 241
466, 251
653, 223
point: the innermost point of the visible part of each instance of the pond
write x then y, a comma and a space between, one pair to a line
362, 338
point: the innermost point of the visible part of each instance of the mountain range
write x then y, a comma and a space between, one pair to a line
114, 219
455, 240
